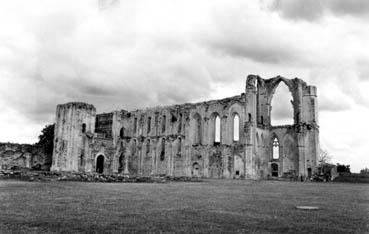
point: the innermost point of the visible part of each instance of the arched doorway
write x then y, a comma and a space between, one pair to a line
238, 166
196, 169
274, 169
100, 164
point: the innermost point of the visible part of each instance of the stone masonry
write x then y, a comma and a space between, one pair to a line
227, 138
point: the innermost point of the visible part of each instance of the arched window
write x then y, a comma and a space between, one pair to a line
82, 158
149, 124
179, 146
197, 135
148, 147
83, 128
180, 124
250, 118
135, 125
217, 129
256, 85
281, 106
121, 133
162, 150
134, 145
236, 128
275, 148
163, 123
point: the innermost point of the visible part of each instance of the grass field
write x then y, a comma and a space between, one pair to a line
212, 206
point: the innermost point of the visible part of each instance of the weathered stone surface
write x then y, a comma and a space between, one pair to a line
23, 156
181, 140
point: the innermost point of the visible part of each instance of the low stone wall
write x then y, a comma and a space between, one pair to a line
23, 156
31, 175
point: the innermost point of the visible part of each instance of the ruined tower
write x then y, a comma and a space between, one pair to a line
74, 127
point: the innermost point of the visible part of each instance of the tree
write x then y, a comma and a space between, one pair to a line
324, 157
46, 139
343, 168
364, 171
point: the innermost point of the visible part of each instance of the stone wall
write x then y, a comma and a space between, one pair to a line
23, 156
183, 140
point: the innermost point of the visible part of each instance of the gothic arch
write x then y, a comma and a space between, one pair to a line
197, 135
262, 140
291, 84
275, 144
215, 128
235, 127
100, 161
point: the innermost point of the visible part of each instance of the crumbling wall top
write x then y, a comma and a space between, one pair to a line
79, 105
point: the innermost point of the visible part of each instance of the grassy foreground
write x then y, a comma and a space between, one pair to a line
212, 206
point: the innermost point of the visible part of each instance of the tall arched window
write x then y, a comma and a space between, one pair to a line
236, 128
197, 135
217, 129
162, 150
121, 133
275, 148
179, 146
180, 124
149, 124
163, 123
83, 128
281, 106
134, 145
148, 147
135, 125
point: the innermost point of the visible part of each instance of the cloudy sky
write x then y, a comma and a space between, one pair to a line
145, 53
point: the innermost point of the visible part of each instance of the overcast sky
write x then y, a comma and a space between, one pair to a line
148, 53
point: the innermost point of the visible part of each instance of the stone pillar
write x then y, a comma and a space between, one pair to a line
250, 129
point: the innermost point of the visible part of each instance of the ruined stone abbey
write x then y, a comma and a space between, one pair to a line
227, 138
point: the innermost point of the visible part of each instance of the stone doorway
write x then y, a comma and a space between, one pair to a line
238, 167
274, 169
196, 170
100, 164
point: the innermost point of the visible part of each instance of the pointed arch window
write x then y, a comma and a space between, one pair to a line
121, 133
275, 148
135, 125
180, 124
179, 146
149, 124
281, 106
236, 127
164, 120
134, 145
217, 129
148, 147
162, 150
197, 135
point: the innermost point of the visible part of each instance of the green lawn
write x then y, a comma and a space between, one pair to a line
212, 206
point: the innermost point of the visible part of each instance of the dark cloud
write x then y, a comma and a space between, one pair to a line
311, 10
307, 9
349, 7
258, 40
